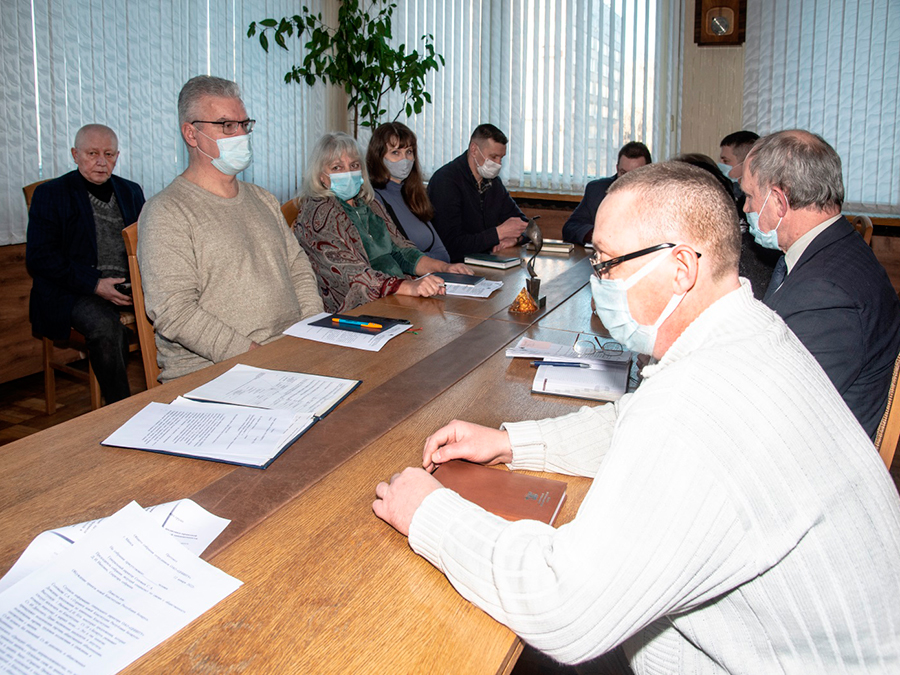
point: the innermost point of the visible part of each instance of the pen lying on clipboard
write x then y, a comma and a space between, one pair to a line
351, 322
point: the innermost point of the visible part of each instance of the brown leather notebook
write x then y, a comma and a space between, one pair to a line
508, 494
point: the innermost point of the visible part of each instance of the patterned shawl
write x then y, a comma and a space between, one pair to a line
338, 257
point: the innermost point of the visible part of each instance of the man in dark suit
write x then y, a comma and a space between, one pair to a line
828, 286
580, 225
473, 211
76, 255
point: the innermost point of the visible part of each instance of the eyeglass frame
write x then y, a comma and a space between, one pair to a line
247, 125
603, 267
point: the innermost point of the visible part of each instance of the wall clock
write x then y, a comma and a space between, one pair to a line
720, 22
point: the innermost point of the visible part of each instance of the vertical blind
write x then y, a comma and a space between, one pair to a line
66, 63
569, 81
832, 67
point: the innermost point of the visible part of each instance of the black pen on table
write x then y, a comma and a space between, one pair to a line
560, 364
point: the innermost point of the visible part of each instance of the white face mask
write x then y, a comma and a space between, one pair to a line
489, 169
611, 304
235, 153
765, 239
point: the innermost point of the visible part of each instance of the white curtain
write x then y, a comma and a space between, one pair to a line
66, 63
832, 67
569, 81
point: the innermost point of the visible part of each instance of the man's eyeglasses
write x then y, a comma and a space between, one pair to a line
602, 267
230, 127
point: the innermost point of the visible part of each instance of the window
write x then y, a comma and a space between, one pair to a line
71, 62
832, 67
569, 81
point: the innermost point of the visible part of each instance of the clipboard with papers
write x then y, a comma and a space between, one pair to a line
247, 416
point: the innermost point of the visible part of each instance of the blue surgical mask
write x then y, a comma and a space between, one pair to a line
611, 304
765, 239
725, 169
346, 185
235, 153
399, 169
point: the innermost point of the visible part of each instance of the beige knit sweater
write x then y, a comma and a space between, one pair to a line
219, 274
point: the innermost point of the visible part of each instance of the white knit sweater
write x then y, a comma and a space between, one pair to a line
739, 520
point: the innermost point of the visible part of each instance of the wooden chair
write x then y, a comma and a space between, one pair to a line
54, 360
145, 330
28, 190
888, 434
290, 209
864, 226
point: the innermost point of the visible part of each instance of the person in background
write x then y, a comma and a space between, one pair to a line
356, 251
393, 164
733, 151
473, 212
222, 273
756, 263
828, 286
738, 519
580, 225
75, 252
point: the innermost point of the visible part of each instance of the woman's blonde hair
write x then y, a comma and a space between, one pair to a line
330, 148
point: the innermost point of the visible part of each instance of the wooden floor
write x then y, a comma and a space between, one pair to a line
22, 410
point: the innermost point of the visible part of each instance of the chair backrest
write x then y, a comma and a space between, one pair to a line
864, 226
28, 190
888, 434
146, 332
290, 209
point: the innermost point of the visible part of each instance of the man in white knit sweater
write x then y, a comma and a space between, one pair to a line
739, 519
221, 271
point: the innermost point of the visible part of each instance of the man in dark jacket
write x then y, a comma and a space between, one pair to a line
473, 212
580, 225
828, 286
76, 255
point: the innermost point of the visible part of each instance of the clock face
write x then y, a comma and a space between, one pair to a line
720, 25
720, 21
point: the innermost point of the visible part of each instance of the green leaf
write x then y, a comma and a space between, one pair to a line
264, 41
269, 23
251, 30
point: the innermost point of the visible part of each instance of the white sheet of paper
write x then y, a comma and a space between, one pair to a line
343, 338
208, 430
482, 289
601, 384
190, 524
118, 592
299, 424
539, 349
274, 389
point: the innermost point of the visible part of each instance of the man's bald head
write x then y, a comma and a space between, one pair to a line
680, 203
89, 130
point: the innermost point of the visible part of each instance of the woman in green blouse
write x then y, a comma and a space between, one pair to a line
356, 251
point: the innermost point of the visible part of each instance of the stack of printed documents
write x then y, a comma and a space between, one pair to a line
246, 416
89, 599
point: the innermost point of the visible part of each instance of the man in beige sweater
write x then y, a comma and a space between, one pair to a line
222, 274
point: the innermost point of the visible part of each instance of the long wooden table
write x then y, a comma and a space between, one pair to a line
327, 586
